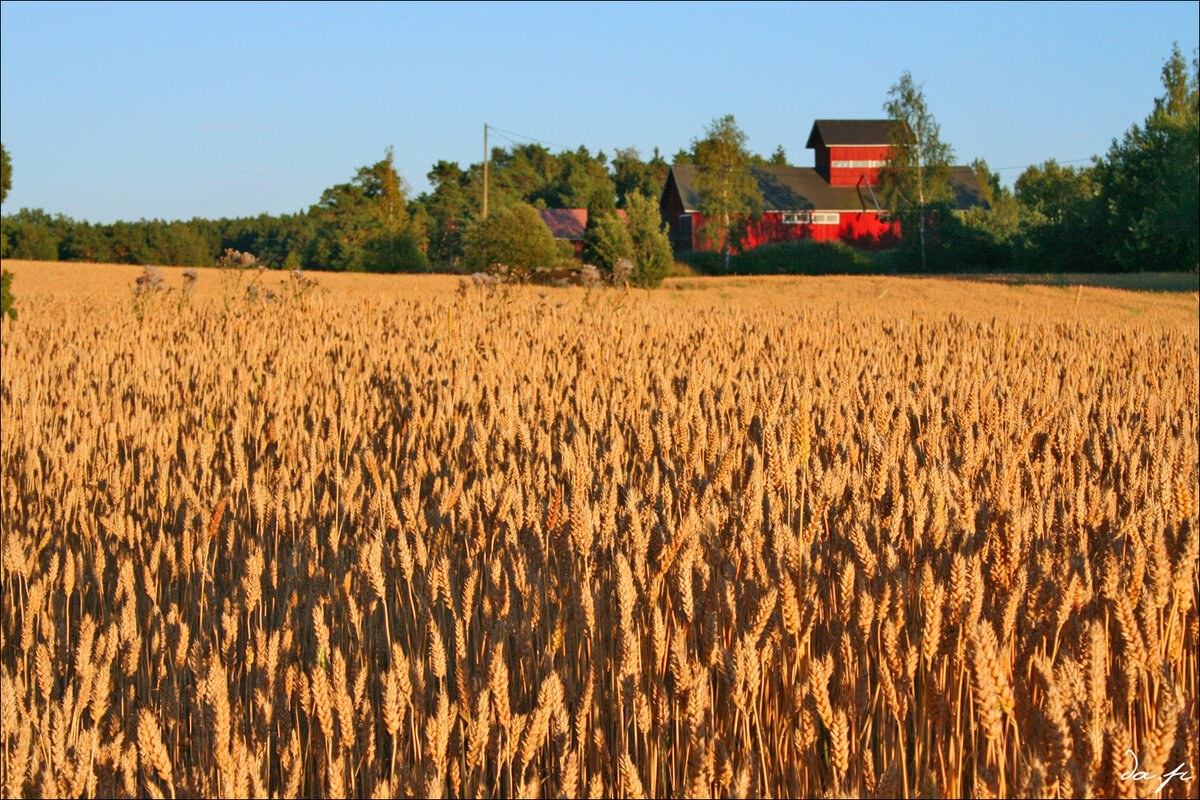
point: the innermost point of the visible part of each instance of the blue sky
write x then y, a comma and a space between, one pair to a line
123, 111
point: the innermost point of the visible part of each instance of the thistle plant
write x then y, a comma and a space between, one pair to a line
148, 286
233, 265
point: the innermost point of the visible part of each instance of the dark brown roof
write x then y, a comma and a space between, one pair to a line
803, 189
568, 223
565, 223
849, 132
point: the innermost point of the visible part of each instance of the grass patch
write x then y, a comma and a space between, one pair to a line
1163, 282
679, 269
835, 258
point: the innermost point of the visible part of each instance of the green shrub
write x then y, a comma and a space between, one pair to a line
702, 262
565, 251
610, 242
804, 258
786, 258
399, 253
651, 249
600, 206
678, 269
514, 237
890, 262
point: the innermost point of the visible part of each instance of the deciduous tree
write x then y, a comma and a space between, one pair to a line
1052, 190
364, 225
6, 298
5, 173
917, 172
631, 174
728, 191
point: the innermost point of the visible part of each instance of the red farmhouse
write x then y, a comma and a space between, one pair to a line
838, 199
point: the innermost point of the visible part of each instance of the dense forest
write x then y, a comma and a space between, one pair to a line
1134, 208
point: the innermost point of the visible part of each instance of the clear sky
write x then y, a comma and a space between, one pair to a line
123, 111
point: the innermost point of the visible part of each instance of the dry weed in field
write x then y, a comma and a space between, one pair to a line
438, 546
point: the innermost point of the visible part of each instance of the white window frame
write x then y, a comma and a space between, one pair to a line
796, 217
825, 218
858, 164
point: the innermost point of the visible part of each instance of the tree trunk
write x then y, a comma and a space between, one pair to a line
728, 237
924, 266
921, 200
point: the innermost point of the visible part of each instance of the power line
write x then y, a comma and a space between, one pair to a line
502, 131
502, 136
1027, 166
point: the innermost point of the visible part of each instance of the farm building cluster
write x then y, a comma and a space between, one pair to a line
838, 199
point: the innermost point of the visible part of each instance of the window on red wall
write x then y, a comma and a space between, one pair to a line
685, 226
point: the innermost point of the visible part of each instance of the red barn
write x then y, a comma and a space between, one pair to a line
850, 150
836, 200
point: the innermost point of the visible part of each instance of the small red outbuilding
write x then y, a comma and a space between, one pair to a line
568, 225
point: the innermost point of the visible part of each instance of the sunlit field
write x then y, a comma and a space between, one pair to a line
775, 537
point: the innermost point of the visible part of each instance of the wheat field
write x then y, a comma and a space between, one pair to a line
774, 538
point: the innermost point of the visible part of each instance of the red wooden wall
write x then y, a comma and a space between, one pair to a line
849, 176
860, 229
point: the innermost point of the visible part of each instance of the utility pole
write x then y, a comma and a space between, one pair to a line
485, 170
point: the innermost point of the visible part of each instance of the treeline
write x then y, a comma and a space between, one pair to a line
1135, 209
371, 223
34, 234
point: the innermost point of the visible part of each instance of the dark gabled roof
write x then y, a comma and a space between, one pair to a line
967, 191
849, 132
783, 189
803, 189
565, 223
568, 223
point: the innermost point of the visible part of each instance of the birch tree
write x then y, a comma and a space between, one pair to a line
918, 166
728, 191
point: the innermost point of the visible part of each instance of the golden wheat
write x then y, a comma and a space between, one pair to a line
557, 543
